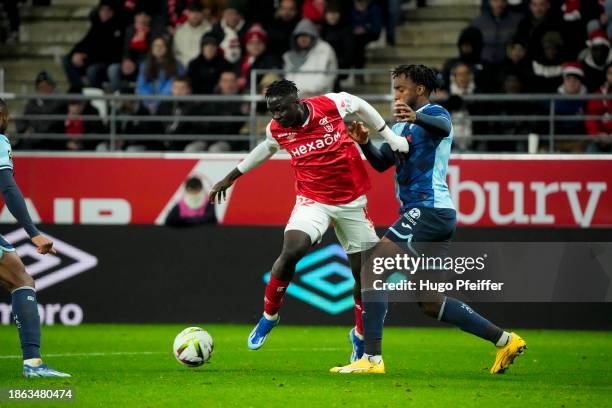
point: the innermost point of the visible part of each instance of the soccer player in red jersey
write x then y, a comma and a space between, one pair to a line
331, 182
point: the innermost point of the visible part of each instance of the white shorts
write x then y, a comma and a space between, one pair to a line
353, 226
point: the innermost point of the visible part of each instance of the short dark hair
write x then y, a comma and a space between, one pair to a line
419, 74
183, 78
282, 87
4, 115
195, 6
194, 183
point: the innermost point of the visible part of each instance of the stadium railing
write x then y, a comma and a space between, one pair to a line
252, 131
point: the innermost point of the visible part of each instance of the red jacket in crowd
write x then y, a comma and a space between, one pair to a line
600, 107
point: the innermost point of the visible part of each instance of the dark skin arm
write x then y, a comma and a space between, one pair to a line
381, 159
436, 125
218, 191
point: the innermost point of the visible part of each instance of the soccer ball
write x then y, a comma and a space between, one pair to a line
193, 347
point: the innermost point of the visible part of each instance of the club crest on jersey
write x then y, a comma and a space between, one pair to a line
415, 213
326, 125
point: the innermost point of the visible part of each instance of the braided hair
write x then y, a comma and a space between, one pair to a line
419, 74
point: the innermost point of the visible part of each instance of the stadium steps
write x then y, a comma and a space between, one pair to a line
55, 13
426, 36
47, 34
54, 31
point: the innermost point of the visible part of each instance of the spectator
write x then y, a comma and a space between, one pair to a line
547, 67
313, 10
497, 26
600, 130
194, 207
205, 70
470, 46
282, 26
157, 72
101, 46
180, 109
461, 83
540, 20
135, 49
45, 85
595, 58
228, 85
187, 37
261, 11
572, 85
262, 107
310, 53
367, 21
170, 15
12, 13
230, 32
255, 56
78, 129
392, 12
516, 62
511, 85
340, 37
133, 126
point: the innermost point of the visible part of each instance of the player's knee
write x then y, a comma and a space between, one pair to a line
291, 255
430, 308
18, 278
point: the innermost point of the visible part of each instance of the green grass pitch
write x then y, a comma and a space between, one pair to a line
133, 366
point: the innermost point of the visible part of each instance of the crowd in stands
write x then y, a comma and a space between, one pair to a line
183, 47
533, 46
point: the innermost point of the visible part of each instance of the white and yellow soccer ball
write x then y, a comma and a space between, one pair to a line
193, 347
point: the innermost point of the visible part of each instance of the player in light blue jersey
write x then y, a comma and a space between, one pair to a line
13, 275
428, 218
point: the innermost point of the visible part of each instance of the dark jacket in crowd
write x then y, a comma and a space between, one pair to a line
40, 107
472, 36
279, 35
531, 31
340, 37
225, 128
496, 33
204, 74
178, 110
103, 42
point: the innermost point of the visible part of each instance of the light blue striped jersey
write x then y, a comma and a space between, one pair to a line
421, 179
6, 154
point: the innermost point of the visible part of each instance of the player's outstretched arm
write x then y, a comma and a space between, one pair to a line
260, 154
381, 159
367, 113
16, 205
438, 126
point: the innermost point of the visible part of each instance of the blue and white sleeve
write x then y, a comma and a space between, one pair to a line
6, 155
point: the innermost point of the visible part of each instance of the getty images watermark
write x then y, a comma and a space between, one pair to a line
491, 271
410, 264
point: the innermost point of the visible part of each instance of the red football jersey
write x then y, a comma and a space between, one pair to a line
326, 162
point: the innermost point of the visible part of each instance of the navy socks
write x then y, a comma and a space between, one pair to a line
27, 320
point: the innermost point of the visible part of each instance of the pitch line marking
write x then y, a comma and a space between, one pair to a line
146, 353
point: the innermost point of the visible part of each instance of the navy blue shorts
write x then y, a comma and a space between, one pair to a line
421, 225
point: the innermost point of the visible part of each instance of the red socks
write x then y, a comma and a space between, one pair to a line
275, 291
358, 311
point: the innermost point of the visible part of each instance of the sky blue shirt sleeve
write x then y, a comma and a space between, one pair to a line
6, 154
398, 128
437, 110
